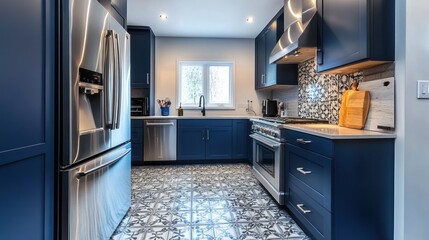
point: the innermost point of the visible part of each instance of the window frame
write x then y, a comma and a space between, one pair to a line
206, 82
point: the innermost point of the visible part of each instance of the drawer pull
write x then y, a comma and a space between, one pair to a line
302, 141
301, 208
303, 171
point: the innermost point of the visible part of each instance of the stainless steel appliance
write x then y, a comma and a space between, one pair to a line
95, 122
299, 40
269, 108
140, 106
268, 152
159, 140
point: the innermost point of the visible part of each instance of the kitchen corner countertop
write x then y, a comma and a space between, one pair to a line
193, 117
336, 132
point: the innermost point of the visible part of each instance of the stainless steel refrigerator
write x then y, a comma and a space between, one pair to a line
95, 162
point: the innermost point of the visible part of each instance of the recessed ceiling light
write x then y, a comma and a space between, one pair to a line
249, 20
163, 16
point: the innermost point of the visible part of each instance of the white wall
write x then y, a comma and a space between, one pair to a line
241, 51
412, 158
416, 185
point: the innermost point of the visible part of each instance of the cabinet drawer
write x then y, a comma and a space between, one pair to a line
311, 172
310, 142
136, 135
314, 217
204, 123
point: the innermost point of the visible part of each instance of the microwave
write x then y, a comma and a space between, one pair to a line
140, 106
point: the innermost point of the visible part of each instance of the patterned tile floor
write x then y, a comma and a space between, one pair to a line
203, 202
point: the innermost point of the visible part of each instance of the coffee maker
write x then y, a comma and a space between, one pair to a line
269, 108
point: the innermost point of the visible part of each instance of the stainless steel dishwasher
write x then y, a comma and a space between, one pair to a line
159, 140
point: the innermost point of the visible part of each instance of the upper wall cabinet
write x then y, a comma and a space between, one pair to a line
355, 34
266, 74
118, 9
142, 56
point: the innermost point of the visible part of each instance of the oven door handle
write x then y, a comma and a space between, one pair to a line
264, 141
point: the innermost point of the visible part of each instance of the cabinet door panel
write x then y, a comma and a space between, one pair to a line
140, 58
345, 32
260, 61
191, 144
219, 143
27, 124
241, 139
270, 42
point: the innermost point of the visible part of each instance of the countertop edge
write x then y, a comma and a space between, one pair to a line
359, 134
192, 117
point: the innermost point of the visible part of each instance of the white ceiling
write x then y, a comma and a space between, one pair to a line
203, 18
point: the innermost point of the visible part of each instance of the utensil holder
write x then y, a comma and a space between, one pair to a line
165, 111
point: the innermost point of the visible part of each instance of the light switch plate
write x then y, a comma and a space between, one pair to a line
423, 89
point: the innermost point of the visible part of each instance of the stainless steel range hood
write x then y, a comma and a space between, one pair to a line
299, 40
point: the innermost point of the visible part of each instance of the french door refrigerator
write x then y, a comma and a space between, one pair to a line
95, 159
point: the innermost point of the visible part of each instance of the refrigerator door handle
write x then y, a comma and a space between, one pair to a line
118, 82
109, 163
107, 76
115, 81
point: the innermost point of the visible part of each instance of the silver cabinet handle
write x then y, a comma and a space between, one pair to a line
301, 208
302, 141
202, 135
208, 134
147, 78
85, 173
160, 124
303, 171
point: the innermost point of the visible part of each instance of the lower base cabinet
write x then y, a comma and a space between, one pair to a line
212, 139
341, 189
136, 142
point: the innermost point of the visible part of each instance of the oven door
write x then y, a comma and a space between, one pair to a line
268, 165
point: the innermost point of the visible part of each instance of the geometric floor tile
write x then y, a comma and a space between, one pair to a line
210, 201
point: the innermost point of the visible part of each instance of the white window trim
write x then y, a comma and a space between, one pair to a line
206, 63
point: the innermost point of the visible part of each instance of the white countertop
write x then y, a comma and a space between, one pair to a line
194, 117
336, 132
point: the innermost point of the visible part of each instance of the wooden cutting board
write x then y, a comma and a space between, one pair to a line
354, 109
381, 116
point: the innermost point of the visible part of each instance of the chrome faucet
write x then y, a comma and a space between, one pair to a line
204, 104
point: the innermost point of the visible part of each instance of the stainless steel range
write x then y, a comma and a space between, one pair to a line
268, 152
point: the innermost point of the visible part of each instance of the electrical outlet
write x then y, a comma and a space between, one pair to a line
422, 89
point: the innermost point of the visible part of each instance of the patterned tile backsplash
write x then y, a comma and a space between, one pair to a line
319, 95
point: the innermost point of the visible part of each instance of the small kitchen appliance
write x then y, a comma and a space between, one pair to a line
269, 108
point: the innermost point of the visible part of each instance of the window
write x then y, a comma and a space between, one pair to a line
214, 80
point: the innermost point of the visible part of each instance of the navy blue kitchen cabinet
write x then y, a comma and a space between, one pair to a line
342, 188
219, 142
266, 74
27, 123
213, 139
142, 56
355, 34
137, 141
191, 144
118, 9
241, 139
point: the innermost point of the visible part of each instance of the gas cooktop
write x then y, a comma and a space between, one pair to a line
292, 120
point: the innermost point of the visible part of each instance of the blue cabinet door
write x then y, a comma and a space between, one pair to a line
219, 143
136, 142
27, 133
142, 58
241, 139
191, 143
